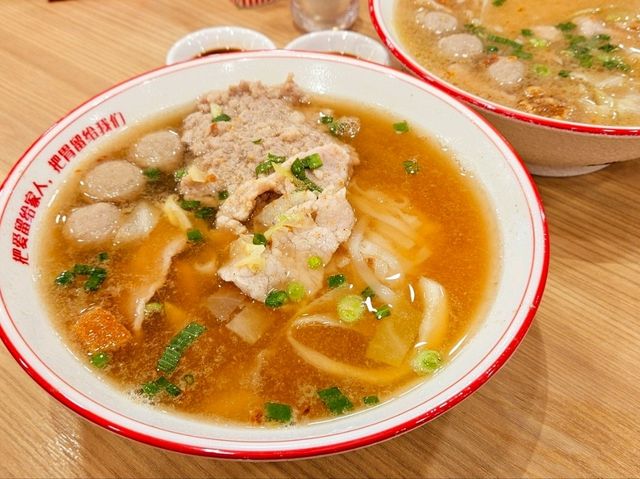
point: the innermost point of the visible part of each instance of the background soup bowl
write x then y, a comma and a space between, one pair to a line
480, 151
549, 147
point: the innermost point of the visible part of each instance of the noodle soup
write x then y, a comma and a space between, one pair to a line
577, 61
270, 258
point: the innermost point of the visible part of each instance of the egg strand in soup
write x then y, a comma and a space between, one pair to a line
270, 258
577, 60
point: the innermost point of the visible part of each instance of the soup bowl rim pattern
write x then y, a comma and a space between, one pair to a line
287, 443
383, 29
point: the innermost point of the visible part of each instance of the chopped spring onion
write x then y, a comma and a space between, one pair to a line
526, 32
314, 262
221, 117
367, 293
411, 167
153, 308
188, 379
152, 174
177, 346
296, 291
542, 70
276, 298
611, 63
492, 49
179, 174
299, 166
539, 42
383, 312
65, 277
370, 400
103, 256
278, 412
336, 280
564, 73
257, 141
259, 238
150, 388
566, 26
154, 387
351, 308
189, 205
401, 127
97, 276
426, 361
312, 161
82, 269
498, 3
194, 235
205, 212
335, 401
223, 195
325, 119
100, 360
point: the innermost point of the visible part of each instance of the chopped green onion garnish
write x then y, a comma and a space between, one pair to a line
603, 36
367, 293
335, 401
189, 205
168, 386
179, 174
223, 195
188, 379
314, 262
150, 388
65, 277
97, 276
274, 411
82, 269
275, 158
539, 42
351, 308
542, 70
152, 174
205, 212
608, 47
614, 62
257, 141
299, 166
564, 73
153, 308
325, 119
221, 117
264, 168
103, 256
383, 312
259, 238
312, 161
296, 291
526, 32
177, 346
194, 235
498, 3
426, 361
336, 280
411, 167
401, 127
370, 400
566, 26
100, 360
276, 298
492, 49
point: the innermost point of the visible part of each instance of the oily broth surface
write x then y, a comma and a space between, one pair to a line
234, 379
581, 98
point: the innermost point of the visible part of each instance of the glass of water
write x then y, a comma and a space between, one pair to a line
313, 15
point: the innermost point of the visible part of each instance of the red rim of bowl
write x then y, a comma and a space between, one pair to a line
380, 25
314, 451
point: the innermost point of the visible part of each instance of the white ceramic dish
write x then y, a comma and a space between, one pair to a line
479, 149
342, 42
196, 43
549, 147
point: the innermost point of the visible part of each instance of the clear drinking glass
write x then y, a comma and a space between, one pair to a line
313, 15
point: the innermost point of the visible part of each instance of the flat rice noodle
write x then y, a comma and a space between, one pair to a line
224, 302
354, 246
149, 266
435, 313
388, 218
391, 235
250, 323
385, 264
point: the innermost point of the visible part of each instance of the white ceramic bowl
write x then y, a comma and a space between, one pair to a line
342, 42
196, 43
549, 147
478, 148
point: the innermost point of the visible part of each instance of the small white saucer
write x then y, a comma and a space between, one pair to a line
200, 42
342, 43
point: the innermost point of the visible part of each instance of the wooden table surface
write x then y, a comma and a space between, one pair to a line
567, 403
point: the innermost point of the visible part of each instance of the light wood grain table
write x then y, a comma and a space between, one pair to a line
566, 405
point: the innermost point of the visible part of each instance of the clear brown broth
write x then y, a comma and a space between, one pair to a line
464, 261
